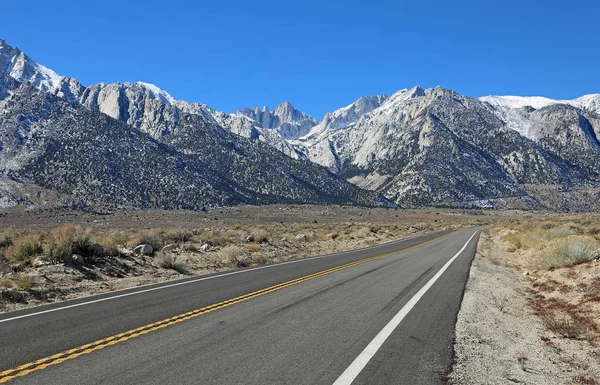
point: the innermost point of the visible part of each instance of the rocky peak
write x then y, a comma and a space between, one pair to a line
285, 119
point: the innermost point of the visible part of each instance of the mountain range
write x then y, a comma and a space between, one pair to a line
134, 145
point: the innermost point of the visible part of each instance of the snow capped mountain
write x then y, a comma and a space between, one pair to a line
21, 67
285, 119
345, 116
587, 102
435, 146
417, 147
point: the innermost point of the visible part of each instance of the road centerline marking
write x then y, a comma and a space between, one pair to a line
43, 363
359, 363
190, 281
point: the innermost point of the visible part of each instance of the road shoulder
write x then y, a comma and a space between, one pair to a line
500, 340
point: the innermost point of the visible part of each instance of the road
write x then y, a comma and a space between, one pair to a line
380, 315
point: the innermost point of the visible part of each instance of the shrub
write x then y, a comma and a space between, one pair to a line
111, 242
260, 236
514, 239
562, 325
172, 262
66, 240
363, 232
572, 252
559, 233
25, 248
260, 259
151, 239
22, 283
6, 238
253, 248
178, 236
230, 254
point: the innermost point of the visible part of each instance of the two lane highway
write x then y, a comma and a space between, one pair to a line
379, 315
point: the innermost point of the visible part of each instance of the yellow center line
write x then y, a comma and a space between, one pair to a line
43, 363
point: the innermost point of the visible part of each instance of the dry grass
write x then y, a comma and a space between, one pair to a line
571, 251
21, 283
25, 248
172, 262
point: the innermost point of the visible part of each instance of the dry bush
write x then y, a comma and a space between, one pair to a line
151, 238
111, 242
172, 262
25, 248
563, 326
177, 236
559, 233
21, 283
7, 283
66, 240
6, 237
571, 251
260, 236
363, 232
515, 240
260, 259
24, 282
230, 255
253, 248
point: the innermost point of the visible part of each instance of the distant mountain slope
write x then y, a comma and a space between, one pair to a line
164, 157
417, 147
423, 147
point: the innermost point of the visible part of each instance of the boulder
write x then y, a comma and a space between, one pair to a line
97, 249
40, 261
77, 259
205, 247
143, 249
302, 237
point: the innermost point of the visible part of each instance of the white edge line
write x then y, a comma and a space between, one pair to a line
200, 279
365, 356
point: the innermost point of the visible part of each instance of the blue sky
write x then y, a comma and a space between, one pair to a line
320, 55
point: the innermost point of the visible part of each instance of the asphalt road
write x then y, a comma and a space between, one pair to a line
381, 315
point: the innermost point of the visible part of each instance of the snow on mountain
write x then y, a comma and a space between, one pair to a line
589, 102
285, 119
417, 147
21, 67
345, 116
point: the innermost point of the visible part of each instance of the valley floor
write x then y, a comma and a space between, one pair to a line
53, 255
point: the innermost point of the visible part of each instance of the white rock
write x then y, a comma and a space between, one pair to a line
143, 249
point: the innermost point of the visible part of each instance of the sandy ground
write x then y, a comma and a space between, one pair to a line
500, 339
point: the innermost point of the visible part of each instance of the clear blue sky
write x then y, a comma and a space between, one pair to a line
320, 55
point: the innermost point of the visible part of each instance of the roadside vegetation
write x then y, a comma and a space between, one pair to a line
539, 278
71, 260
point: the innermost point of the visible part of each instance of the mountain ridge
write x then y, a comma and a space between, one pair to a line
418, 147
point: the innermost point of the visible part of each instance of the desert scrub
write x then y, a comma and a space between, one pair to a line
66, 240
20, 283
363, 232
151, 238
111, 241
572, 251
25, 248
172, 262
260, 236
229, 255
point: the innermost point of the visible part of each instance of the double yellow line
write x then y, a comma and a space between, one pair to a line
70, 354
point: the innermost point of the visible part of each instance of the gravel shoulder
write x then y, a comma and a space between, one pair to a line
501, 340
